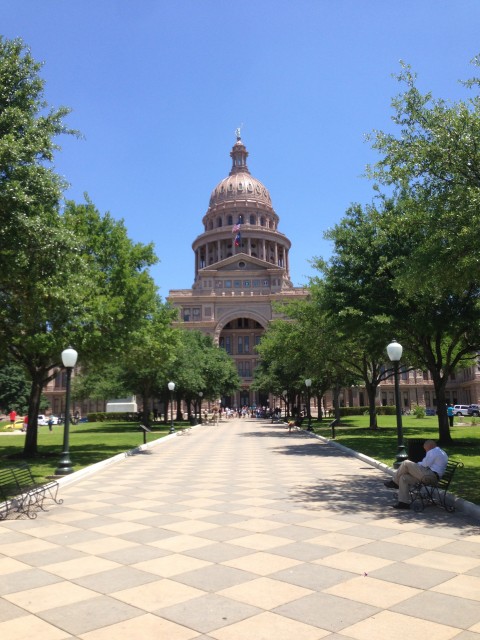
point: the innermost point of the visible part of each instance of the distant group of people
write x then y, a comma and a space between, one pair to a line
13, 419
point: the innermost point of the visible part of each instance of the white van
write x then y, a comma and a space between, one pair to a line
461, 409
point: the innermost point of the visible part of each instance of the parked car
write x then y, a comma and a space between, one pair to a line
461, 409
474, 410
42, 420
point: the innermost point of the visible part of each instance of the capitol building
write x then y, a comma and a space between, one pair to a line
241, 270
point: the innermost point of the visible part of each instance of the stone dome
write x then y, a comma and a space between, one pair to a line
240, 184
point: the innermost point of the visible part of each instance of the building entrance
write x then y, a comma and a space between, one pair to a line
244, 398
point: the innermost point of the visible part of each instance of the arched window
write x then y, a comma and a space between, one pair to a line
219, 222
252, 219
230, 220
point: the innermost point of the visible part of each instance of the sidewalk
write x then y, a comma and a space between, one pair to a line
238, 532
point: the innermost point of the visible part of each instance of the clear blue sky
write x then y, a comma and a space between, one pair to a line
158, 88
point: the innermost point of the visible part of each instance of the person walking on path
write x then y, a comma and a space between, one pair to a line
428, 471
13, 417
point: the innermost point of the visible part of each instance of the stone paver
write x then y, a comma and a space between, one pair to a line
238, 531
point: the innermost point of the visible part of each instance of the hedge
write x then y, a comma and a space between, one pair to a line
120, 416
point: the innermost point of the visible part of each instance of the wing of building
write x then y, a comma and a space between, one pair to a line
241, 269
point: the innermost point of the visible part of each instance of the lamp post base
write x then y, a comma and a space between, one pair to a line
400, 457
64, 466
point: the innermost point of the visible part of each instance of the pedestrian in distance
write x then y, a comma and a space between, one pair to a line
450, 414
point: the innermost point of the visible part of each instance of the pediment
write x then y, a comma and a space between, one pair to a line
240, 262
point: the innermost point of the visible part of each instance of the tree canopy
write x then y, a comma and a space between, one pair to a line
68, 274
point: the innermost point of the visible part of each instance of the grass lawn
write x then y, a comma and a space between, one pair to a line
381, 444
90, 442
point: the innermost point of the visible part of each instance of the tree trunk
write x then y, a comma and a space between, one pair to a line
146, 410
166, 404
336, 403
319, 408
372, 409
444, 436
190, 405
30, 447
179, 410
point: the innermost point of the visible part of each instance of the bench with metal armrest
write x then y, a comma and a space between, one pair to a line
423, 494
22, 494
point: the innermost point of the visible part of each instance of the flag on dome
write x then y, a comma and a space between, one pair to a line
236, 227
238, 239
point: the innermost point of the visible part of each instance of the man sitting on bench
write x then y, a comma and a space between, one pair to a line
428, 471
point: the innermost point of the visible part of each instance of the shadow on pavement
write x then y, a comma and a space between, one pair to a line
354, 495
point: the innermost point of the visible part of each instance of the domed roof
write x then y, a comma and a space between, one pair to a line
240, 184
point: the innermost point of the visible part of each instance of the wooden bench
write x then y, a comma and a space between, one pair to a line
435, 494
21, 494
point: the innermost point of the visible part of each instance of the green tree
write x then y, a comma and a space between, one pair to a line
91, 291
356, 297
99, 381
15, 389
365, 284
433, 157
298, 347
152, 348
431, 163
200, 365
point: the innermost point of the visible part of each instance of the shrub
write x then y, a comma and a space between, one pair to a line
418, 411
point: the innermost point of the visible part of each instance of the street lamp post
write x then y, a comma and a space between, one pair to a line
286, 403
308, 384
394, 351
69, 359
200, 395
171, 387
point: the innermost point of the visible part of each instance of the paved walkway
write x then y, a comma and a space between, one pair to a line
238, 532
